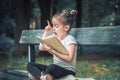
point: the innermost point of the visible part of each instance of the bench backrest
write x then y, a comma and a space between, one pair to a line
90, 36
84, 36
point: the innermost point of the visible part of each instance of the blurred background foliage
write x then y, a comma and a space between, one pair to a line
17, 15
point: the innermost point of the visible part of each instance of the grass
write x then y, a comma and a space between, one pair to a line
104, 68
100, 68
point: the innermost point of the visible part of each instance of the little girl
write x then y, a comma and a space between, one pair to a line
64, 64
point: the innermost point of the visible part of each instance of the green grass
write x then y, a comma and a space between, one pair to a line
106, 68
102, 69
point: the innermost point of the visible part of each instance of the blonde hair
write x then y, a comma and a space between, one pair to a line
66, 17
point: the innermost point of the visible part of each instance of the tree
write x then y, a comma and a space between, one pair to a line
79, 15
45, 6
21, 15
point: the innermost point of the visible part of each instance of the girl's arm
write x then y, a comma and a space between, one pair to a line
48, 28
66, 57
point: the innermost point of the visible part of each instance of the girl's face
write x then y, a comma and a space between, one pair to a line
58, 28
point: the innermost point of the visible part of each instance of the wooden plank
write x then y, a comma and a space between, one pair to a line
99, 49
84, 36
29, 36
71, 77
97, 35
13, 75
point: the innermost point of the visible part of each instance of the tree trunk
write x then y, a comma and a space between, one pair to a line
45, 6
89, 14
79, 14
54, 8
22, 22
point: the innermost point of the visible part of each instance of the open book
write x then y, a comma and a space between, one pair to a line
54, 43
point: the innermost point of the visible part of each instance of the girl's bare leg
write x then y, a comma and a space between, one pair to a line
49, 77
31, 77
46, 77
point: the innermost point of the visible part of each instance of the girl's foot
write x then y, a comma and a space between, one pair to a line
31, 77
43, 77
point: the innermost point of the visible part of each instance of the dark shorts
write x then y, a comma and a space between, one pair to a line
54, 70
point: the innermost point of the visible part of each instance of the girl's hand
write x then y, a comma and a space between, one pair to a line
48, 48
48, 28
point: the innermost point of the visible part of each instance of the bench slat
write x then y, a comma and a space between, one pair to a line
28, 37
84, 36
97, 35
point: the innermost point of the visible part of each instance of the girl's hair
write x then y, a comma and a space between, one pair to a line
66, 17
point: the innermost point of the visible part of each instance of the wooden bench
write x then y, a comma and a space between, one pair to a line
90, 40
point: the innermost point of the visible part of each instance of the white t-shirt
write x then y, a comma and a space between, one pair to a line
70, 66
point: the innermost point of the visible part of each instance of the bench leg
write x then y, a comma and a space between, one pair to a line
31, 53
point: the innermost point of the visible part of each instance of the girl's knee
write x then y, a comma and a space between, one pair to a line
49, 77
29, 65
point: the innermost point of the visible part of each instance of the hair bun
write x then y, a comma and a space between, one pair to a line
73, 12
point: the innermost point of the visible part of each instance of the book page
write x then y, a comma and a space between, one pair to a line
54, 43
